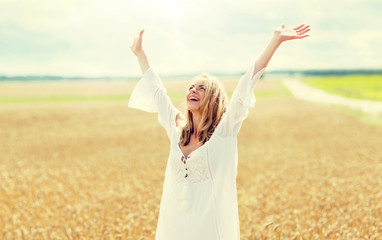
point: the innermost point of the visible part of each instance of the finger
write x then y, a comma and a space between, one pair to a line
134, 43
303, 32
301, 37
302, 29
299, 27
141, 33
296, 28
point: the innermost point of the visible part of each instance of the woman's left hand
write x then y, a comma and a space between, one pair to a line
283, 34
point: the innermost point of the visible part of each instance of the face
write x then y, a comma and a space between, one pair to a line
195, 96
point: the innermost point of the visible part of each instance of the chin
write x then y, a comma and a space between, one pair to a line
192, 108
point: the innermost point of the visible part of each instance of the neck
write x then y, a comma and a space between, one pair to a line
196, 117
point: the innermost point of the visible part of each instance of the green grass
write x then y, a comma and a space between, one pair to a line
355, 86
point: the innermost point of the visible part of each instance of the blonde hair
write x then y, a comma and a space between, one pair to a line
213, 106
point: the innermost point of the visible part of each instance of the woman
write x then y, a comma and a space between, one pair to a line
199, 200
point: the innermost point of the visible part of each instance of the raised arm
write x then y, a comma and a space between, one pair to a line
280, 35
138, 51
243, 96
149, 94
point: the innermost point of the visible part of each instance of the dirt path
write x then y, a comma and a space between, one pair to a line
96, 171
302, 91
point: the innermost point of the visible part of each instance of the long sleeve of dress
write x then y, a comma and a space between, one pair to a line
242, 99
150, 95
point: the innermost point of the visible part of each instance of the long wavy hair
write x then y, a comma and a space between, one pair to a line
213, 107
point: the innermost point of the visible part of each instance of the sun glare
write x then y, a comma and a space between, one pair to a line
172, 8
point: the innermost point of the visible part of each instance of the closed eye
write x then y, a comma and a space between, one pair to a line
200, 88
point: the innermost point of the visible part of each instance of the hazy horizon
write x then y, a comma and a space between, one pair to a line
276, 72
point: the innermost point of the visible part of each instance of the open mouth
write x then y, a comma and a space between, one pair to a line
194, 99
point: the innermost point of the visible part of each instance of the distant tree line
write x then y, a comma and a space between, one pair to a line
329, 72
333, 72
56, 78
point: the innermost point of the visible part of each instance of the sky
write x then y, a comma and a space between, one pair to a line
91, 38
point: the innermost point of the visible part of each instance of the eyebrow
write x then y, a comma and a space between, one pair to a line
202, 85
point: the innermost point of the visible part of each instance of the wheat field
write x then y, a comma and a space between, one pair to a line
94, 170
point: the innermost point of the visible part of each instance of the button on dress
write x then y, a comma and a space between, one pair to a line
199, 198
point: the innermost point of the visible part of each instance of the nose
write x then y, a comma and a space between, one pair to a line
192, 89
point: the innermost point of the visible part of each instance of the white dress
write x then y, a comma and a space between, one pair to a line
199, 199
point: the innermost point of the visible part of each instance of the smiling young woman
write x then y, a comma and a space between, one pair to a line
199, 199
206, 104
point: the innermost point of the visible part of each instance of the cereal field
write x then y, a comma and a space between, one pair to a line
94, 169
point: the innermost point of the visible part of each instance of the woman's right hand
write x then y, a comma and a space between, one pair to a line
137, 44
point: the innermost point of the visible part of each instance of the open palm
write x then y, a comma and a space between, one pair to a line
285, 34
137, 44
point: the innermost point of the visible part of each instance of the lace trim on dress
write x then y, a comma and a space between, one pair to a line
189, 170
193, 169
